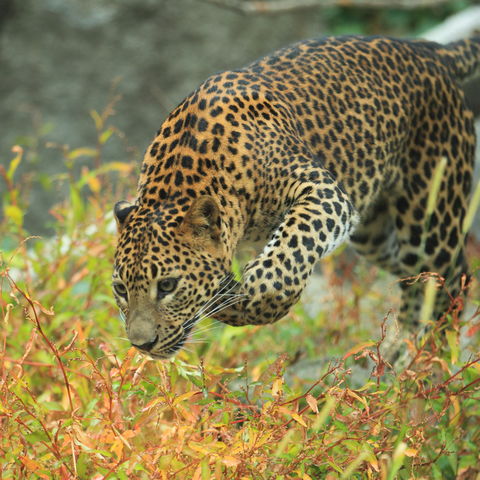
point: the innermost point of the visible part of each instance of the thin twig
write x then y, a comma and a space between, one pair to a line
50, 344
275, 6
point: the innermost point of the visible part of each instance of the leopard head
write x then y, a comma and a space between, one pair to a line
170, 270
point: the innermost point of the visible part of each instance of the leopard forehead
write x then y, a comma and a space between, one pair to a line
152, 247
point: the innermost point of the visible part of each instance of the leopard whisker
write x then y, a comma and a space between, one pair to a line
224, 291
213, 300
207, 329
206, 326
121, 338
227, 303
186, 348
196, 341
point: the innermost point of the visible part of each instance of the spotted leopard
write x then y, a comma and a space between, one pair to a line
321, 142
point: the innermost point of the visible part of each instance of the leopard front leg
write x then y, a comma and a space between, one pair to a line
318, 220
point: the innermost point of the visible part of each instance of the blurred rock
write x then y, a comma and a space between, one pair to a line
60, 59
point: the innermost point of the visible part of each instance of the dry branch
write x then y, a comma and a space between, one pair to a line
275, 6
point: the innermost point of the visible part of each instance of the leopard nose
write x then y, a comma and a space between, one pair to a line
141, 332
147, 346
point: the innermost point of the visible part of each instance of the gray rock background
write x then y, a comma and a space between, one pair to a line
60, 59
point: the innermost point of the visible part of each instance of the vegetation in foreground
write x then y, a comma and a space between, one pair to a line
77, 402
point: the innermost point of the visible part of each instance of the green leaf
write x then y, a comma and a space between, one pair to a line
35, 437
205, 469
14, 163
470, 460
77, 204
82, 465
105, 136
14, 213
82, 152
97, 119
55, 406
397, 460
196, 380
452, 339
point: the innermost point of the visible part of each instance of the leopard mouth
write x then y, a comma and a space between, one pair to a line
146, 347
158, 351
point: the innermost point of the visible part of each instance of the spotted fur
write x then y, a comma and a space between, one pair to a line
323, 141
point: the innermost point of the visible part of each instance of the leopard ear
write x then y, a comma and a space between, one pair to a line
121, 210
202, 221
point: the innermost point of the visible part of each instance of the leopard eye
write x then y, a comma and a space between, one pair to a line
120, 289
166, 286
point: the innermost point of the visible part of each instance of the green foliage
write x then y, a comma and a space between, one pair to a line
77, 402
348, 19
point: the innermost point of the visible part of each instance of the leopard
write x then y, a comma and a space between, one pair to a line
330, 140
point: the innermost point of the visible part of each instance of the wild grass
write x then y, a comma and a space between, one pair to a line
310, 397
